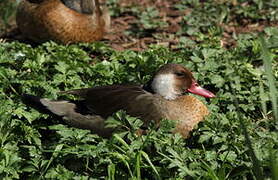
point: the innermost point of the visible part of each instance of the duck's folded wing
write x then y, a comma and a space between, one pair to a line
106, 100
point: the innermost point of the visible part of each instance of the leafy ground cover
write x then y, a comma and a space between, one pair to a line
239, 140
136, 24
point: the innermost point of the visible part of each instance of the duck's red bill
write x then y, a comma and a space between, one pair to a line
196, 89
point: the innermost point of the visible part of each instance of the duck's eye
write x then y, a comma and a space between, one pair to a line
180, 74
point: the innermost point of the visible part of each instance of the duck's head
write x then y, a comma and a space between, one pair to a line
174, 80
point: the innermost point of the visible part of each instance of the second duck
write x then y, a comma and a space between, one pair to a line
67, 21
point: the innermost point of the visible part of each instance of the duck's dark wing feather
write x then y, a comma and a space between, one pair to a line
106, 100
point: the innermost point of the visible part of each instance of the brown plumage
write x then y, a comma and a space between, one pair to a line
161, 98
42, 20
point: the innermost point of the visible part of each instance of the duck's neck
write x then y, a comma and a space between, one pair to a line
162, 85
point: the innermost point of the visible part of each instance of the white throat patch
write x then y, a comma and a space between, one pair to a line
164, 85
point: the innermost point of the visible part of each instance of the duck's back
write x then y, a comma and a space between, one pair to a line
106, 100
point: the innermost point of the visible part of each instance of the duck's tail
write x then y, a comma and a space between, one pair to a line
73, 113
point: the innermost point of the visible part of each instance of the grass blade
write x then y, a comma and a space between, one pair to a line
121, 141
123, 159
111, 171
257, 170
263, 102
138, 167
210, 171
274, 165
267, 59
146, 156
57, 150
